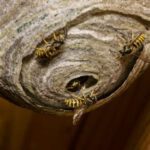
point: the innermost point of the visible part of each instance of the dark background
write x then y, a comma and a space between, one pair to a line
107, 128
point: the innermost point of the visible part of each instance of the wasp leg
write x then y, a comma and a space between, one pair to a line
122, 38
48, 54
78, 97
116, 54
45, 41
55, 37
92, 94
132, 36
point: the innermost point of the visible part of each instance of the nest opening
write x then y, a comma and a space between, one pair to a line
81, 82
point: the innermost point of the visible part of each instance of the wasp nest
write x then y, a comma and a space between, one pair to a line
56, 56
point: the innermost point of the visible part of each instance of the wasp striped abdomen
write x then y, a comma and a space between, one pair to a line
52, 46
74, 102
138, 42
47, 51
133, 46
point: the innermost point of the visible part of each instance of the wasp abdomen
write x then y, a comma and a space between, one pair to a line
74, 103
138, 42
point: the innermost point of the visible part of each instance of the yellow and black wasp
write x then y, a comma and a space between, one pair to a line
135, 45
78, 101
74, 86
79, 104
51, 47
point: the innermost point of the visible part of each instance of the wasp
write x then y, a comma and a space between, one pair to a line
135, 45
75, 85
80, 104
51, 47
78, 101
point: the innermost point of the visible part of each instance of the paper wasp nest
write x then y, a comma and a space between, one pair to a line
51, 51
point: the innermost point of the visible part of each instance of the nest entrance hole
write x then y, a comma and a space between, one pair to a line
81, 82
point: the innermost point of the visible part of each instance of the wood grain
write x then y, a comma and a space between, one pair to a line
109, 127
